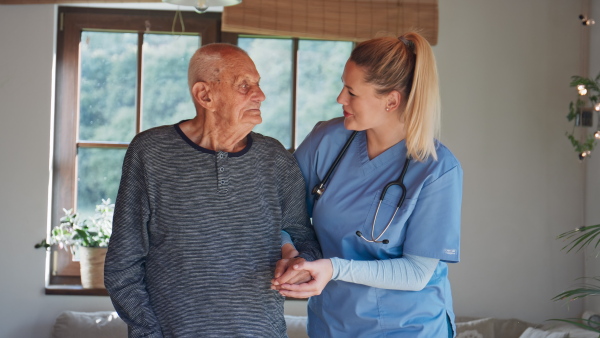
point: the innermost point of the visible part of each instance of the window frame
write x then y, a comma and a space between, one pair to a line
63, 275
294, 95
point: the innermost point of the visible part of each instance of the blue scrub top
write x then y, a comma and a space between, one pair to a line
427, 224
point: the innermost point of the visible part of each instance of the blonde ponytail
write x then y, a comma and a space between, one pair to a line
422, 112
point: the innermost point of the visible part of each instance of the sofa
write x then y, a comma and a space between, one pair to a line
473, 327
107, 324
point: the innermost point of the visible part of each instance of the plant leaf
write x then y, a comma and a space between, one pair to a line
577, 322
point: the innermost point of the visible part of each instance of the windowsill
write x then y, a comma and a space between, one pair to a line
74, 290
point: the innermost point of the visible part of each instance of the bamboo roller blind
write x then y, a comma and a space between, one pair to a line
41, 2
351, 20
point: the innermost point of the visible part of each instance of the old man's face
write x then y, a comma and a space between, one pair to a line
238, 93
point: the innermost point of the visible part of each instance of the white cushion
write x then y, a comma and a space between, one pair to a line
573, 330
480, 328
511, 328
537, 333
296, 326
71, 324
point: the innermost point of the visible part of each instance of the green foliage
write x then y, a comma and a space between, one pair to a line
73, 232
574, 109
108, 97
98, 176
584, 290
585, 146
319, 70
166, 98
107, 86
589, 84
592, 92
273, 60
589, 325
580, 238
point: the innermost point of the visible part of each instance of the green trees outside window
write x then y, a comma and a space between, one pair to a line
319, 67
108, 101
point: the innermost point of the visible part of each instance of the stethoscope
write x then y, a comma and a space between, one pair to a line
319, 189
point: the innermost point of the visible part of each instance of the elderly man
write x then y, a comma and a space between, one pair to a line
199, 213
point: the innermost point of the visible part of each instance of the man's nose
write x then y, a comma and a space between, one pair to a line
259, 95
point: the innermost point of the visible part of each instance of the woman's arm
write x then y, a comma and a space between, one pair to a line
409, 273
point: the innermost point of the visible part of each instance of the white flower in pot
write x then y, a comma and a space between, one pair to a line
88, 238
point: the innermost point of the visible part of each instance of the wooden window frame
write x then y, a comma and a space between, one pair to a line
294, 95
63, 275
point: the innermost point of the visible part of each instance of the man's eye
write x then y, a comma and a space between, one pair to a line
351, 94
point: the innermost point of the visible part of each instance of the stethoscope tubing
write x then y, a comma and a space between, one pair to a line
319, 189
400, 183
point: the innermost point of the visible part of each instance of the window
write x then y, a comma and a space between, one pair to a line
301, 80
120, 72
108, 107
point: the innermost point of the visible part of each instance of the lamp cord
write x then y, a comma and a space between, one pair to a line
178, 13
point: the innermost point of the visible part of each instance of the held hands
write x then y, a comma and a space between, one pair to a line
294, 282
283, 270
284, 273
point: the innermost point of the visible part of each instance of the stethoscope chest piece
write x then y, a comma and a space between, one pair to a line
318, 190
359, 234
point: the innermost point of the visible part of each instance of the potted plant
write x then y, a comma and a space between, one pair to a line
579, 239
88, 238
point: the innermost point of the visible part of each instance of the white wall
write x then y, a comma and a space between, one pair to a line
26, 59
504, 66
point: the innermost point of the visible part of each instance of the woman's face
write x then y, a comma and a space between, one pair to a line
363, 108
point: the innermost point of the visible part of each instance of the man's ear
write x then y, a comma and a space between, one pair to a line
393, 100
202, 94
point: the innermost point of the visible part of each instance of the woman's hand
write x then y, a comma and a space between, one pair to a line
321, 271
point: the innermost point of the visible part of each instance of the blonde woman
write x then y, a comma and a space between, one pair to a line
384, 272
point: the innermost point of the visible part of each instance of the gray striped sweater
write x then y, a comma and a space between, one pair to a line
196, 235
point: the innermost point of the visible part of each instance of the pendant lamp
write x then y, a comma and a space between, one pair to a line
201, 6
